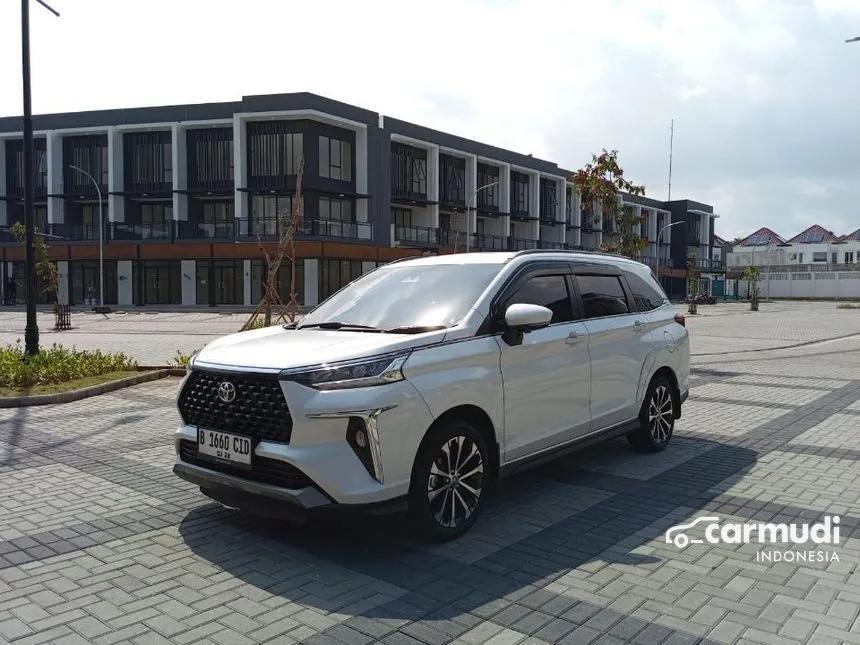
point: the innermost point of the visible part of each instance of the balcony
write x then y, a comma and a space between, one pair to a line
74, 232
415, 235
702, 264
456, 238
548, 244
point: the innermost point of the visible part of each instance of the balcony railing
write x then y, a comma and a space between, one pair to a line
271, 228
186, 230
491, 242
126, 231
423, 235
702, 264
521, 244
550, 244
74, 232
455, 238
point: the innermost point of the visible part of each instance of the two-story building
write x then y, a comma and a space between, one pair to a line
188, 193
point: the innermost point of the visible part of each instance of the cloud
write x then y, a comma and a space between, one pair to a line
761, 91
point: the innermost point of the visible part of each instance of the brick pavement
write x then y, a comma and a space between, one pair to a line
101, 543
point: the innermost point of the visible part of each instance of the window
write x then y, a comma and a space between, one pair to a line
339, 210
820, 256
647, 293
218, 219
210, 158
268, 212
849, 257
520, 202
488, 197
336, 274
548, 291
335, 159
602, 295
273, 153
402, 217
154, 221
452, 180
408, 171
548, 201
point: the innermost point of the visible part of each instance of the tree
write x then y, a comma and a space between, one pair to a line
752, 274
599, 184
46, 268
289, 221
692, 282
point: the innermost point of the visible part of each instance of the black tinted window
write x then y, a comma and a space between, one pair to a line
646, 293
548, 291
602, 295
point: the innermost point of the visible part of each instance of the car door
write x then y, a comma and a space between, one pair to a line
614, 329
546, 378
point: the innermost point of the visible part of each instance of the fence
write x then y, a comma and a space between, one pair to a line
814, 284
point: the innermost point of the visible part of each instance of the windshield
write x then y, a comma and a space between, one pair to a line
407, 296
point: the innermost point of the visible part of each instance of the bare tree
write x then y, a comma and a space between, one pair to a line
288, 222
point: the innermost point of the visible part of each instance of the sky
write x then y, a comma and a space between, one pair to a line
765, 94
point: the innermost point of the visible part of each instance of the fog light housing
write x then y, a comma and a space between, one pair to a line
365, 447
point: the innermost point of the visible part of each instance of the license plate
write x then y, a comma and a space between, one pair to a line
224, 446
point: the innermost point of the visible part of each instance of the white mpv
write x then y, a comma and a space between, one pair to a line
427, 379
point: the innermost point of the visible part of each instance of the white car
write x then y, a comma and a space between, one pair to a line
427, 379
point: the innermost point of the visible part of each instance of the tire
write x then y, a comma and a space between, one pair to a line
435, 494
656, 418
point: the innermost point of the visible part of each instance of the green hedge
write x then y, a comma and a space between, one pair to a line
56, 364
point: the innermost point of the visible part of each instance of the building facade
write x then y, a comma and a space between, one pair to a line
815, 263
185, 194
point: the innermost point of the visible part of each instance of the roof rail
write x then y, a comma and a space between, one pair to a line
571, 251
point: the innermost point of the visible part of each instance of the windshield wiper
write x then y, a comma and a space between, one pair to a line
340, 325
414, 329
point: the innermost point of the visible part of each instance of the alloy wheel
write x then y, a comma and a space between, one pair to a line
456, 481
660, 414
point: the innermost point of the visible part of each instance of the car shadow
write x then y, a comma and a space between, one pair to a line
539, 525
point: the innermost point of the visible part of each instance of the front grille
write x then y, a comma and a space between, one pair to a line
259, 409
263, 469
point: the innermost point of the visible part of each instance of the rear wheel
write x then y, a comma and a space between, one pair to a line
450, 481
656, 417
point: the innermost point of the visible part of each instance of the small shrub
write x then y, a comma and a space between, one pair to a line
182, 360
56, 364
847, 305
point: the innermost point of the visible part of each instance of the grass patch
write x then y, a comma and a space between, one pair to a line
67, 386
56, 365
847, 305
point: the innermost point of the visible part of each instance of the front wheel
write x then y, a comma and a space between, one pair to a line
450, 481
656, 418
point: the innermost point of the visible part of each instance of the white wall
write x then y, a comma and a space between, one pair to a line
188, 269
125, 293
814, 284
312, 283
63, 288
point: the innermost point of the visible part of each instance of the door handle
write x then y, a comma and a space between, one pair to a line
638, 325
572, 338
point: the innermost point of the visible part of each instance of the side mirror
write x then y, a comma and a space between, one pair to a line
525, 317
521, 318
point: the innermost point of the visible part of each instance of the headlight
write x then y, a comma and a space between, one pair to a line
365, 372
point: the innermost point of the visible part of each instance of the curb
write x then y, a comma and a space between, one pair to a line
87, 392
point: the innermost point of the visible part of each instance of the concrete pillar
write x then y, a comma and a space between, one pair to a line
433, 184
64, 287
56, 207
534, 204
471, 197
180, 171
240, 168
125, 283
361, 177
189, 282
246, 284
3, 221
312, 282
116, 203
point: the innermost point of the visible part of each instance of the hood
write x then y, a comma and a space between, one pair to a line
276, 348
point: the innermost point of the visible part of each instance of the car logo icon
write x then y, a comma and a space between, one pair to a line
675, 535
227, 392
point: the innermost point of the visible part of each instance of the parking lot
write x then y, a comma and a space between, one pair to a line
101, 543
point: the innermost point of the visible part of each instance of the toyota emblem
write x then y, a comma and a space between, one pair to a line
227, 392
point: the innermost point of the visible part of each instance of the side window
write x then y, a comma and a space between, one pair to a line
548, 291
647, 293
602, 295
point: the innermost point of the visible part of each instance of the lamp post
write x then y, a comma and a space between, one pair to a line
856, 39
31, 330
469, 212
660, 235
101, 235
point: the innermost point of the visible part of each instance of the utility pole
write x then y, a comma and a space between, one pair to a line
31, 330
671, 150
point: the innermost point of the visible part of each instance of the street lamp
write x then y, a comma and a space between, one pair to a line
469, 212
660, 235
101, 236
856, 39
31, 330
